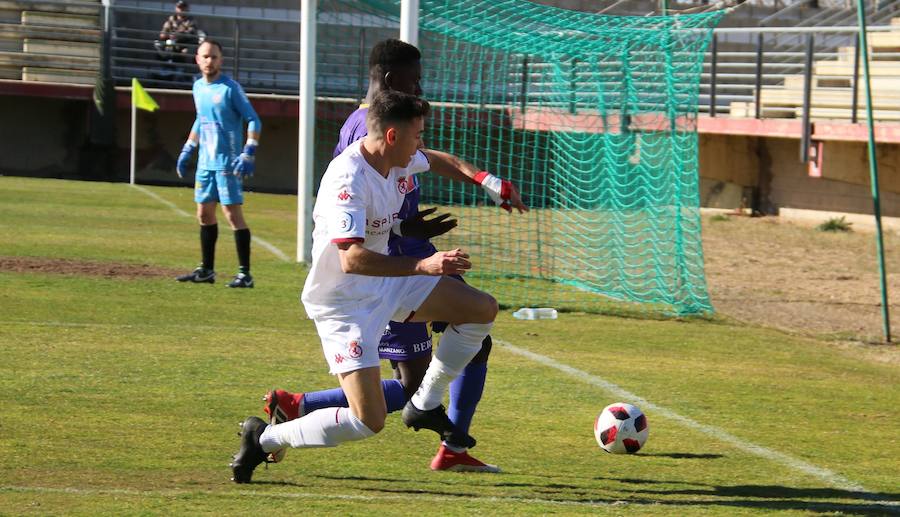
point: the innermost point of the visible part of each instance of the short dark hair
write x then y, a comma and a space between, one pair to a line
390, 107
211, 42
392, 53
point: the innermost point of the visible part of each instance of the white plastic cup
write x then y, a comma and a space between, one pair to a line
535, 313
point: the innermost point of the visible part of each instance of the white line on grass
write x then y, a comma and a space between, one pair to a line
152, 326
162, 200
259, 240
308, 495
826, 475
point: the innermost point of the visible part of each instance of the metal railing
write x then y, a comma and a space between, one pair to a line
263, 55
741, 75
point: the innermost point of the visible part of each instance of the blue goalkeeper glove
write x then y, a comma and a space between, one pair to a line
181, 166
244, 165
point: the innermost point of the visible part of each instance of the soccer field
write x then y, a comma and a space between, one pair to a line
121, 390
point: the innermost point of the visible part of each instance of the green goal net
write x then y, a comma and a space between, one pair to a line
593, 117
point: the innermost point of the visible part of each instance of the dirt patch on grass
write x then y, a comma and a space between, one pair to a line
84, 268
796, 278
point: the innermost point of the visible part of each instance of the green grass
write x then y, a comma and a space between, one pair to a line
836, 224
121, 397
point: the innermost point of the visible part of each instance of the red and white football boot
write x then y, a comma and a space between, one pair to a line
282, 406
446, 459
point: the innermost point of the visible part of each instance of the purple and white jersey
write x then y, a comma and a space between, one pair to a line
354, 129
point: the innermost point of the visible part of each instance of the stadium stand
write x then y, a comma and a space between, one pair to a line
782, 82
50, 40
832, 92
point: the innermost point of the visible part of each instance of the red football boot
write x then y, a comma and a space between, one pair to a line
282, 406
446, 459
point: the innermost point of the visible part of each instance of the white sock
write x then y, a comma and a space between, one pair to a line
327, 427
458, 346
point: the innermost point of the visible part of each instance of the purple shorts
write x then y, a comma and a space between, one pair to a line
405, 341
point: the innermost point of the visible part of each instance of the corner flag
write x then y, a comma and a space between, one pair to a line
140, 98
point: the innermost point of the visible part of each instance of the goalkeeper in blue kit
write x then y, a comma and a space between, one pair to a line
222, 107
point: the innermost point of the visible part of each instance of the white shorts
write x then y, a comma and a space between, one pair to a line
350, 341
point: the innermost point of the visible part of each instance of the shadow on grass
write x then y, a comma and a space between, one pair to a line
645, 492
776, 497
282, 483
780, 492
683, 455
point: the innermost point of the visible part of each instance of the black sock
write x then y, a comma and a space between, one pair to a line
242, 241
209, 233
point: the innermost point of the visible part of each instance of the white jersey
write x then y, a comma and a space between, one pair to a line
355, 203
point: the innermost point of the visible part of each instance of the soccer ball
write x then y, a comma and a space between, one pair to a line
621, 428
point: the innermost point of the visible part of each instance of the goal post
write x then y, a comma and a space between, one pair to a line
593, 117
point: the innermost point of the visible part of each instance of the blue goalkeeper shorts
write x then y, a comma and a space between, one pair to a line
405, 341
218, 187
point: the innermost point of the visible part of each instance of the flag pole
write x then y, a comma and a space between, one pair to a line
133, 133
873, 169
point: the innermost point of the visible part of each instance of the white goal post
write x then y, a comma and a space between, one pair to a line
409, 32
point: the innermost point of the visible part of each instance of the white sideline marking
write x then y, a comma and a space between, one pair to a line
89, 325
826, 475
307, 495
271, 247
162, 200
259, 240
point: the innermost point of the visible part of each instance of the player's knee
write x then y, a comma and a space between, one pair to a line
488, 309
375, 423
482, 355
204, 217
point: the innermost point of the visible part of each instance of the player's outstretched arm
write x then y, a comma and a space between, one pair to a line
357, 260
501, 191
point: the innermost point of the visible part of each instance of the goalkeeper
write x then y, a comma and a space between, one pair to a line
396, 65
222, 108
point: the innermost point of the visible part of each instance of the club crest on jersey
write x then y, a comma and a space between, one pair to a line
354, 350
217, 98
405, 184
344, 222
344, 196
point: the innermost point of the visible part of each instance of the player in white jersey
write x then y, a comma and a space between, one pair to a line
354, 288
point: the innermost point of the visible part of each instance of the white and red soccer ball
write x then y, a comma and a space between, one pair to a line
621, 428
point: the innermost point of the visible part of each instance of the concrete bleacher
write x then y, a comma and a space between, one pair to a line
50, 40
832, 85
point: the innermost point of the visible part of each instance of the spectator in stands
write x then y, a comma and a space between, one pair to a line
179, 30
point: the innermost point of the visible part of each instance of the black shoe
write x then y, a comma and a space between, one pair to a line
241, 280
251, 453
437, 420
200, 275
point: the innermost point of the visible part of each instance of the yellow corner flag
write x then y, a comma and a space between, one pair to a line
140, 98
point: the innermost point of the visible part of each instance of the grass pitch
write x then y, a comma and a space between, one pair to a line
121, 395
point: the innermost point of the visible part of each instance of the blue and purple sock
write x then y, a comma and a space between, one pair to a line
394, 396
465, 392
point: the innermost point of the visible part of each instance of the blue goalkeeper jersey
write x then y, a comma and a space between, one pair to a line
354, 128
222, 108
